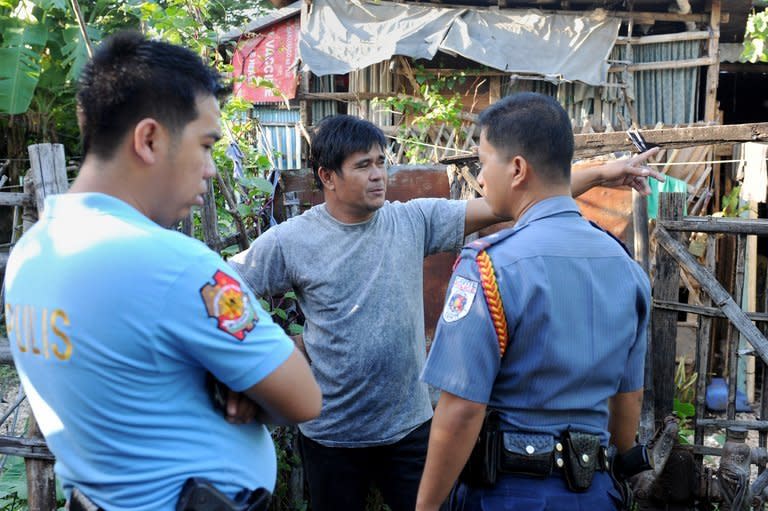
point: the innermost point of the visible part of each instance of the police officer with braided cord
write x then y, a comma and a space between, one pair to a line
542, 338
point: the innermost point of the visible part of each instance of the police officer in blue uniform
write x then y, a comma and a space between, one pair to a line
544, 327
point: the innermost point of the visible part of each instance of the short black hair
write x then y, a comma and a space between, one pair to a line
337, 137
130, 78
534, 126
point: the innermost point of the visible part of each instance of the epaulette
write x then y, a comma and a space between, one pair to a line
617, 240
473, 247
478, 250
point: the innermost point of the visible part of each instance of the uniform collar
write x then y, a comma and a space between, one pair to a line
75, 204
548, 207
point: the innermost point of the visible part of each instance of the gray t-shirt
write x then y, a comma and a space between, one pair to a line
360, 287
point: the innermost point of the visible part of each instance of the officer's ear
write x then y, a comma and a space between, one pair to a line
519, 171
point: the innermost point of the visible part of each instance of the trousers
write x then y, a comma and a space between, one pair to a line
339, 478
521, 493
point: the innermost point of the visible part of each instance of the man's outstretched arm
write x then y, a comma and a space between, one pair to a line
628, 172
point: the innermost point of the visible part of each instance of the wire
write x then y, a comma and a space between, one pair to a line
696, 162
455, 149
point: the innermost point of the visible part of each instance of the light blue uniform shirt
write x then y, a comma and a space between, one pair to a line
113, 321
577, 309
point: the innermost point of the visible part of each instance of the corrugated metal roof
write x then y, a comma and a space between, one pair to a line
263, 21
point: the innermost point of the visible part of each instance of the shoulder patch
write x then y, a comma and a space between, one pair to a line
460, 299
226, 301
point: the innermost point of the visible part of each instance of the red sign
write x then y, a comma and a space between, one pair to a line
270, 55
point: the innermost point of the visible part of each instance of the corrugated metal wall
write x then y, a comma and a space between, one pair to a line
323, 109
668, 96
375, 78
279, 135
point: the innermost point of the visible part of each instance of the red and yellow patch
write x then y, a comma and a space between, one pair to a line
225, 301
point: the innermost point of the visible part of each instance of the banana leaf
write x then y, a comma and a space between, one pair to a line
20, 57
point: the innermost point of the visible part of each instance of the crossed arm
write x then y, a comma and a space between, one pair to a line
630, 172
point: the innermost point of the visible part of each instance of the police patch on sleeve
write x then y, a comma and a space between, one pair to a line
225, 301
459, 300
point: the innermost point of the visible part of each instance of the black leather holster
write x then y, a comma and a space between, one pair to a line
481, 468
79, 502
200, 495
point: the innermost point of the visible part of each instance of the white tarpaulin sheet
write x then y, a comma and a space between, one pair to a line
344, 35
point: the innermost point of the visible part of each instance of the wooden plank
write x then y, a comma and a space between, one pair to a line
757, 227
664, 38
759, 425
49, 171
663, 64
594, 144
16, 199
666, 286
25, 447
713, 71
704, 310
719, 295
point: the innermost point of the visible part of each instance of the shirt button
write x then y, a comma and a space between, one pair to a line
529, 449
559, 462
559, 447
585, 458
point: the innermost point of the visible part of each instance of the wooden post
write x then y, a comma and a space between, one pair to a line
733, 333
703, 341
41, 481
666, 286
49, 176
49, 171
713, 70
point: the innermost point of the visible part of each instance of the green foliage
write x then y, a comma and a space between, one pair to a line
438, 103
20, 65
13, 486
732, 205
756, 38
685, 394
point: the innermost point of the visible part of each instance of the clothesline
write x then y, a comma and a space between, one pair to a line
695, 162
434, 146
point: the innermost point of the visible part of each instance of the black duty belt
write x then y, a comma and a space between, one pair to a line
577, 455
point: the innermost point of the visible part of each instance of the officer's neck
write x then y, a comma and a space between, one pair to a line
534, 195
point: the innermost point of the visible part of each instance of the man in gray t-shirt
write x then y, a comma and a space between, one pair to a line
356, 265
